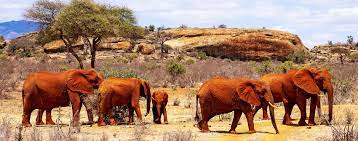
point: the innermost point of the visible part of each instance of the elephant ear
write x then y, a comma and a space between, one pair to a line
246, 93
78, 82
304, 80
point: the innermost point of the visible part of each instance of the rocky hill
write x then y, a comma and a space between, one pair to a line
243, 44
234, 43
332, 53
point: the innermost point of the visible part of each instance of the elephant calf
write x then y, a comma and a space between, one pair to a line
159, 100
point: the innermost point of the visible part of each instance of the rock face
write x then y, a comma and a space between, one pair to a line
329, 53
243, 44
108, 44
146, 48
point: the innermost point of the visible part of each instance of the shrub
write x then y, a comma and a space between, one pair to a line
118, 73
353, 56
298, 57
345, 132
180, 57
176, 102
151, 28
264, 67
202, 55
175, 68
189, 61
179, 136
222, 26
5, 129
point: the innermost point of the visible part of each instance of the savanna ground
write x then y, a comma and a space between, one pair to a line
181, 88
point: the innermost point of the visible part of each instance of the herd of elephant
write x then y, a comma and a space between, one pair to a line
47, 90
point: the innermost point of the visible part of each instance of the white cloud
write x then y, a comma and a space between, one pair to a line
314, 21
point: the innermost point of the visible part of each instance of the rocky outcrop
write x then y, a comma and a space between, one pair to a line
332, 53
107, 44
243, 44
146, 48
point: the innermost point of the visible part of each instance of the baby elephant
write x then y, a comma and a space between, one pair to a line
159, 100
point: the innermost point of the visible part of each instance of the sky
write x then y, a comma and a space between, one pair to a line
314, 21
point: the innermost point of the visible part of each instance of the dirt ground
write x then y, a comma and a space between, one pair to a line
181, 121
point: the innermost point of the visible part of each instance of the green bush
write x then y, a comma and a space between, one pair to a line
180, 57
353, 56
286, 66
189, 61
264, 67
175, 68
107, 73
202, 55
25, 53
298, 57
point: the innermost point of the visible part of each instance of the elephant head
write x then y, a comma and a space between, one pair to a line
145, 92
83, 81
313, 80
257, 93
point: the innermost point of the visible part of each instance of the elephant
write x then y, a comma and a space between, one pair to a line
159, 101
48, 90
297, 86
219, 96
120, 92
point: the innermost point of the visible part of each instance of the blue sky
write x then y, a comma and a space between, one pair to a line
315, 21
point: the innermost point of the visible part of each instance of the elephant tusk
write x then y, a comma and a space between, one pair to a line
272, 105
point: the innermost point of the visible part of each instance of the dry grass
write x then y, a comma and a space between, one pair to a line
5, 129
179, 136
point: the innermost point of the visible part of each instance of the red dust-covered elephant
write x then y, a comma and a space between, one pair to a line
296, 86
159, 100
48, 90
219, 96
120, 92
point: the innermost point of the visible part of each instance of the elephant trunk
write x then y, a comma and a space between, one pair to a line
330, 103
273, 120
148, 97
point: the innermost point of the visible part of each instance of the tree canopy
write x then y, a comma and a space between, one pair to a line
84, 20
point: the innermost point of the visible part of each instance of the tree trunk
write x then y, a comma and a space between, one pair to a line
95, 42
79, 60
70, 50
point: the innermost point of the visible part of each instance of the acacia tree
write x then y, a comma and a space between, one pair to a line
82, 19
94, 22
46, 13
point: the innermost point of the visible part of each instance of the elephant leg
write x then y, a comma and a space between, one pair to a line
49, 120
264, 111
313, 105
288, 109
110, 115
102, 113
203, 124
39, 117
76, 107
139, 114
27, 110
165, 115
89, 112
250, 121
235, 121
131, 114
301, 103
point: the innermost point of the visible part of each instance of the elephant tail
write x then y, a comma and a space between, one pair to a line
197, 107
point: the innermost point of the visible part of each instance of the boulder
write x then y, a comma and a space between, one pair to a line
124, 45
235, 43
146, 49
